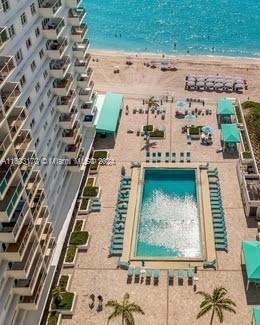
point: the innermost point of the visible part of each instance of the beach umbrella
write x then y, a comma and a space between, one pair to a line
189, 117
191, 83
239, 86
201, 79
229, 84
211, 76
200, 83
180, 104
192, 78
209, 84
219, 85
207, 129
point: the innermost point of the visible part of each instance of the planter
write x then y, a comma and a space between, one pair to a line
67, 306
100, 154
70, 257
76, 237
94, 171
194, 132
92, 193
84, 206
245, 158
64, 287
79, 224
52, 320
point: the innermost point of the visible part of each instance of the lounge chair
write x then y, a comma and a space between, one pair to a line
156, 275
137, 272
123, 265
181, 276
117, 236
167, 157
135, 164
95, 209
173, 157
188, 157
204, 166
182, 157
148, 274
138, 132
221, 247
188, 139
170, 276
154, 157
115, 252
220, 235
130, 271
159, 156
190, 275
210, 264
125, 177
147, 156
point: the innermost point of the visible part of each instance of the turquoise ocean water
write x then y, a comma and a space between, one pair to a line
169, 223
206, 27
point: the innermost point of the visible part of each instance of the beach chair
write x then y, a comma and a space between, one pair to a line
173, 157
130, 273
221, 247
188, 156
125, 177
154, 157
137, 272
190, 275
170, 276
182, 157
159, 156
147, 156
115, 252
167, 157
220, 235
156, 275
122, 265
188, 139
181, 274
118, 236
148, 276
117, 241
138, 131
210, 264
95, 209
135, 164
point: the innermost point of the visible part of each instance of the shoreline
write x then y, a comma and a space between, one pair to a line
178, 58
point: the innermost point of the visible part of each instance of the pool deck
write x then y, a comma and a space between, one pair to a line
131, 226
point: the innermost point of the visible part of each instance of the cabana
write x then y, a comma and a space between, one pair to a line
256, 316
225, 111
230, 135
250, 257
110, 113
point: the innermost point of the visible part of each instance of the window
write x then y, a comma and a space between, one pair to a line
23, 18
32, 6
11, 31
32, 123
45, 74
44, 176
33, 66
18, 56
22, 80
45, 125
28, 43
41, 107
55, 127
36, 142
37, 87
37, 32
28, 102
5, 5
41, 53
48, 93
49, 142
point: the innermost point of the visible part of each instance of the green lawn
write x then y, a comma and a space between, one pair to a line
90, 191
100, 154
53, 318
66, 301
83, 206
71, 252
148, 128
78, 224
79, 238
157, 134
63, 282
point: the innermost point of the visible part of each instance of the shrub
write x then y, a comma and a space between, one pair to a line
94, 165
53, 318
238, 114
84, 204
71, 252
90, 191
148, 128
78, 238
157, 134
63, 282
100, 154
66, 301
123, 171
246, 146
195, 130
79, 223
246, 155
90, 181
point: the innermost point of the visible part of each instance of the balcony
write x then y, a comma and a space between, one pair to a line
72, 3
46, 236
81, 66
32, 185
72, 150
15, 251
16, 120
3, 36
49, 252
37, 203
76, 16
86, 94
7, 173
5, 143
59, 68
75, 164
67, 121
84, 79
22, 143
65, 103
6, 67
78, 32
11, 230
61, 87
26, 286
31, 302
9, 94
70, 136
20, 270
80, 50
49, 8
41, 220
55, 48
52, 28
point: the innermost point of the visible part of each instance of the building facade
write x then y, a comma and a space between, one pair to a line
47, 112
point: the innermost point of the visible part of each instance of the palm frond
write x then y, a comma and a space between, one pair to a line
219, 313
129, 318
134, 308
204, 294
126, 298
205, 303
112, 303
228, 308
204, 311
227, 301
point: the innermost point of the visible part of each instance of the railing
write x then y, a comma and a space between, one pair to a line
16, 124
52, 26
8, 98
35, 185
8, 174
29, 258
64, 83
68, 117
81, 30
20, 219
12, 203
25, 239
83, 63
5, 144
61, 64
35, 272
77, 13
21, 146
56, 46
34, 299
66, 100
3, 35
37, 206
6, 68
54, 5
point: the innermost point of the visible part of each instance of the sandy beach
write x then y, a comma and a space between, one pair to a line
138, 80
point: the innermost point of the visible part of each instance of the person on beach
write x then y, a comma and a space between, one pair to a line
92, 301
100, 303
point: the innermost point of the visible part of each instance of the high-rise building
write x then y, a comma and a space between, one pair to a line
47, 111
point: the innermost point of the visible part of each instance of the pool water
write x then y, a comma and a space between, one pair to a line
169, 222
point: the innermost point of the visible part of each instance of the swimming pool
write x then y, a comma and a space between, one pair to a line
169, 219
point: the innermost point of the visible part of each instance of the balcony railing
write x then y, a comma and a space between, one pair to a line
61, 64
79, 30
5, 142
52, 5
52, 26
37, 203
22, 142
58, 45
32, 184
9, 94
3, 36
76, 15
6, 67
63, 83
66, 100
6, 173
69, 116
16, 119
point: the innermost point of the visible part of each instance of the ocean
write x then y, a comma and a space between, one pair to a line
201, 27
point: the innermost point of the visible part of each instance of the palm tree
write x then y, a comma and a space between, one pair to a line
125, 310
151, 103
56, 295
217, 303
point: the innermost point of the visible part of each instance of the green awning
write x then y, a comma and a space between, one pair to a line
225, 107
230, 133
110, 114
256, 313
251, 253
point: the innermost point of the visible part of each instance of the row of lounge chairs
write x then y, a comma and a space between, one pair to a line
152, 110
220, 232
181, 274
117, 239
95, 205
167, 157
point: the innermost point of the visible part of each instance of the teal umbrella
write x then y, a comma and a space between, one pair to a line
190, 117
180, 104
207, 129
